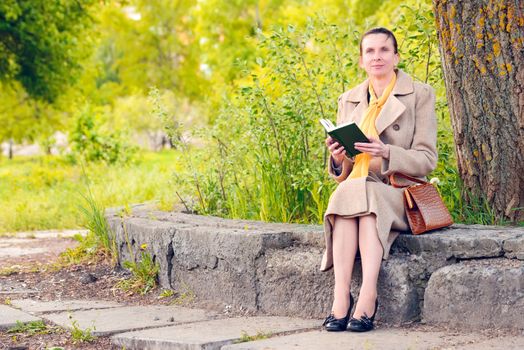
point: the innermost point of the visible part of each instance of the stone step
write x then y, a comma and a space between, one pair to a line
127, 318
211, 335
272, 269
9, 317
477, 294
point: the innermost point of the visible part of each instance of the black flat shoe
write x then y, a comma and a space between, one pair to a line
363, 324
333, 324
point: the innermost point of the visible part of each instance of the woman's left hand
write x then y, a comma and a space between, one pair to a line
375, 148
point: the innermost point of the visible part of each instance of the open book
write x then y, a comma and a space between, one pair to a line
345, 134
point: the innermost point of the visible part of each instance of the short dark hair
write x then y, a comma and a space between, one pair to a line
380, 30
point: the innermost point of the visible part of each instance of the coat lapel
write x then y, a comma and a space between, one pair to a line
359, 95
358, 112
391, 110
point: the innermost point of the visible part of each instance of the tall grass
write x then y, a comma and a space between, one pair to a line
95, 221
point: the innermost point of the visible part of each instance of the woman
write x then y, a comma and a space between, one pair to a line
365, 212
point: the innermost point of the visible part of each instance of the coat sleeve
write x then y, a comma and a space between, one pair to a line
347, 164
421, 158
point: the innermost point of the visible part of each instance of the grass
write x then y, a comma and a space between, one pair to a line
33, 328
30, 328
166, 293
245, 337
144, 275
79, 335
44, 192
8, 271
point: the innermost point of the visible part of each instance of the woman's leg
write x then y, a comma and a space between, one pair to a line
345, 243
371, 256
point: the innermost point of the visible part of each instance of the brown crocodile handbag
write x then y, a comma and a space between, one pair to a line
424, 208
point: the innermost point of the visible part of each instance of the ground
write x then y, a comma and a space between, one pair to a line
26, 271
75, 282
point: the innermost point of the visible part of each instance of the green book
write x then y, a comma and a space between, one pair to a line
346, 135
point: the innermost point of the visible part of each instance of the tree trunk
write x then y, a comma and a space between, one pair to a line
481, 47
10, 150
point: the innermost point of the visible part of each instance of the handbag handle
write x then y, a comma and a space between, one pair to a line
407, 177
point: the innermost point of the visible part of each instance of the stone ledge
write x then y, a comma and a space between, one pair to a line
477, 293
272, 268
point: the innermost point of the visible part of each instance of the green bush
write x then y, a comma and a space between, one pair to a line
90, 142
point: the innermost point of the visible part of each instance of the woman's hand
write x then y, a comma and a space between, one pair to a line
337, 151
375, 148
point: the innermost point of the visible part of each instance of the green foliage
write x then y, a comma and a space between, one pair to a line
87, 250
91, 143
79, 335
144, 275
42, 43
245, 337
362, 9
264, 149
160, 112
166, 293
96, 223
98, 244
24, 119
30, 328
8, 271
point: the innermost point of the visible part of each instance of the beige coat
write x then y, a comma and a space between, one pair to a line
408, 124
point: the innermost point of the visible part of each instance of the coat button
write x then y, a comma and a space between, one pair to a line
396, 127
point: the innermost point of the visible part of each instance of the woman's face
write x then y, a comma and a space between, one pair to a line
378, 56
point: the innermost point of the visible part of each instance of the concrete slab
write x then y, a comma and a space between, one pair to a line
37, 306
9, 316
210, 335
129, 318
7, 250
499, 343
379, 339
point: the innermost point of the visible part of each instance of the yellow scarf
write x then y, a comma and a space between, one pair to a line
361, 166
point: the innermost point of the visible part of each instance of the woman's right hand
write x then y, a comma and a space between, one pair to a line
337, 151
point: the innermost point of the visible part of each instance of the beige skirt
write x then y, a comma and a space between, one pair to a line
363, 196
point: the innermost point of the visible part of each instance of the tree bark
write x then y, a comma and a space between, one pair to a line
481, 47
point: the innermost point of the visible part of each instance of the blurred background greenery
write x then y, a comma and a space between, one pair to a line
208, 105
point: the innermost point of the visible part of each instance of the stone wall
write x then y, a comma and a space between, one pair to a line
271, 268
